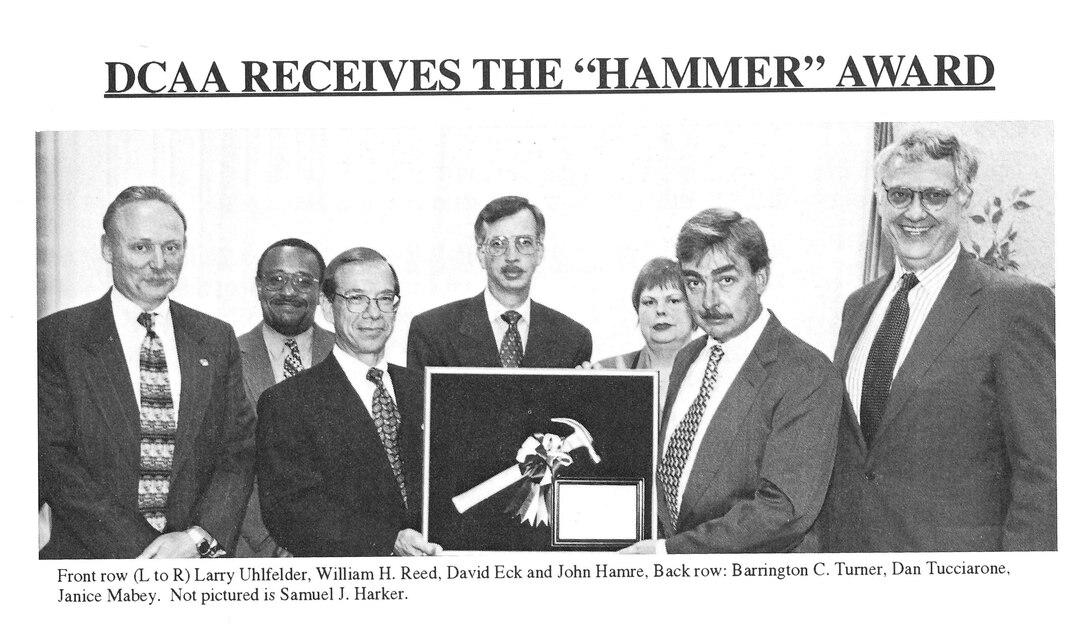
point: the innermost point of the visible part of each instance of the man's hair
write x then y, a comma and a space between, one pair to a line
139, 194
660, 273
292, 242
923, 144
354, 255
504, 207
726, 229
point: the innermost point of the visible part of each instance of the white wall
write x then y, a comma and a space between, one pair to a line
613, 196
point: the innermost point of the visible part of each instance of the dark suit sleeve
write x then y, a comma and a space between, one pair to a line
585, 348
421, 352
299, 508
104, 525
223, 504
793, 477
1026, 401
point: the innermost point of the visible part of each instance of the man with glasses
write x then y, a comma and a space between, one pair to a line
947, 442
285, 343
501, 327
340, 444
145, 437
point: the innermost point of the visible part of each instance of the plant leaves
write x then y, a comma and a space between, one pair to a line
986, 209
978, 219
996, 219
1027, 192
997, 202
1012, 235
1020, 205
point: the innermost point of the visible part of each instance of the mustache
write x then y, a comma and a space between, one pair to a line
713, 315
295, 301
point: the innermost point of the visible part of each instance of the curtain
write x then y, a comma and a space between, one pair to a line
878, 254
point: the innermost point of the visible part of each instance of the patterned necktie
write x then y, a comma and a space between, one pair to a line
511, 352
158, 426
387, 420
880, 364
676, 456
292, 364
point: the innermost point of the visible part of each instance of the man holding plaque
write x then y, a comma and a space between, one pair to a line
751, 414
339, 445
501, 327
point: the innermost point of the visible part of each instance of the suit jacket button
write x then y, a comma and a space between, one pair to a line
869, 475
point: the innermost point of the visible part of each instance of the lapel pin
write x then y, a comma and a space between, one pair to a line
203, 362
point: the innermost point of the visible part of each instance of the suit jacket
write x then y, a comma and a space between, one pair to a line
761, 472
964, 456
327, 488
89, 434
254, 540
459, 335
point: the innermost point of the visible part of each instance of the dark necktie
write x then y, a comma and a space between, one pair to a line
676, 456
292, 364
880, 364
158, 426
511, 351
387, 421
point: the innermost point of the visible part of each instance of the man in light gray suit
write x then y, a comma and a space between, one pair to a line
286, 342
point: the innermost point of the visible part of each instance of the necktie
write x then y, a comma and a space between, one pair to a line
511, 352
158, 426
292, 364
877, 380
387, 421
676, 456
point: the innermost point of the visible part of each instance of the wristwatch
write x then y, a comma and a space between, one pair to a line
203, 545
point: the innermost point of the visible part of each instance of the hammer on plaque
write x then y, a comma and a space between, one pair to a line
580, 438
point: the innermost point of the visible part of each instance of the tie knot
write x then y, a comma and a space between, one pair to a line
511, 317
716, 353
909, 281
291, 344
375, 375
147, 320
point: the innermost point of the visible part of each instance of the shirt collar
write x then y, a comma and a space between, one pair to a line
352, 365
278, 342
495, 309
933, 276
128, 311
745, 342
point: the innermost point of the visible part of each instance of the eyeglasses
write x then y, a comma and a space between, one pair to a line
277, 281
358, 303
523, 243
932, 198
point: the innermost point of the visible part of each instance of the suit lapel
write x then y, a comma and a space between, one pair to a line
195, 362
477, 340
114, 395
715, 450
953, 306
321, 345
537, 345
255, 364
853, 325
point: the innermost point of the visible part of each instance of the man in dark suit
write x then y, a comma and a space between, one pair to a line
947, 441
124, 473
501, 327
285, 343
340, 444
748, 439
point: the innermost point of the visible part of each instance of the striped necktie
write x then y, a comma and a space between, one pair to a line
158, 426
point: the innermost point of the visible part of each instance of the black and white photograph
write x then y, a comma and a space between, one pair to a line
456, 312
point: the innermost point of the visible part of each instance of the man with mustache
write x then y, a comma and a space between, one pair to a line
340, 448
948, 440
285, 343
145, 437
501, 327
748, 434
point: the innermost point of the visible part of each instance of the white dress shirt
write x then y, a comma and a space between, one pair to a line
131, 333
920, 299
277, 348
356, 371
498, 326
